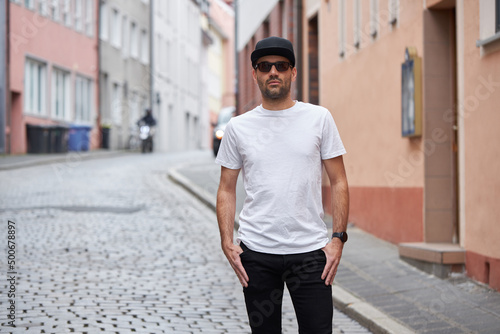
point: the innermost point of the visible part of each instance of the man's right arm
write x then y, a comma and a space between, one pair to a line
226, 209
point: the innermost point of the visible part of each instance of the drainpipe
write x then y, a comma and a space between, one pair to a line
98, 79
4, 75
299, 38
152, 99
236, 59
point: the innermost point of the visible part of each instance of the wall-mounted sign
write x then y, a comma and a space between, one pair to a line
411, 94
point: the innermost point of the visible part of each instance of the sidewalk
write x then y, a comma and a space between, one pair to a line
8, 162
375, 287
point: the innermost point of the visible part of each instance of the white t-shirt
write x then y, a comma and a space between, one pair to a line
280, 154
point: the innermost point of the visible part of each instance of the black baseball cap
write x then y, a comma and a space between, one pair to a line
273, 46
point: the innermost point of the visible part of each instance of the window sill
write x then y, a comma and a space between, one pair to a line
489, 40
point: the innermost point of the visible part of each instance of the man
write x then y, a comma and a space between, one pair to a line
280, 147
148, 118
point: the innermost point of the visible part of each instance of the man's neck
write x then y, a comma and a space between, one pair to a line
270, 104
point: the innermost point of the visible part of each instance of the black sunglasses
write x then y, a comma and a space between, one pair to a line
265, 66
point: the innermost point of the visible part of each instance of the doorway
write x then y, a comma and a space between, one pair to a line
440, 127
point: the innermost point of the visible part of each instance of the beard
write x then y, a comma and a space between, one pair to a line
276, 93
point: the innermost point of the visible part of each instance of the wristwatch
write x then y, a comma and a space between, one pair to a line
341, 235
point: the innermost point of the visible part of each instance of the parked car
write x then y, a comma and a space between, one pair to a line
224, 116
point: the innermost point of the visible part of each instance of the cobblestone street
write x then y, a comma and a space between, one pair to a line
112, 245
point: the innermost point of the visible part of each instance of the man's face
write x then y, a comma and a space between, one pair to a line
274, 85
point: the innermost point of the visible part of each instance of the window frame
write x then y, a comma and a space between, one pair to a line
83, 99
78, 15
35, 93
88, 18
104, 21
30, 4
57, 95
144, 47
342, 26
115, 31
55, 10
66, 13
134, 40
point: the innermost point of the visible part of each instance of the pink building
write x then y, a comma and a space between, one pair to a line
53, 68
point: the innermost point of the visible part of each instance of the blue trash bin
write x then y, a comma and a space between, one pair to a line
79, 139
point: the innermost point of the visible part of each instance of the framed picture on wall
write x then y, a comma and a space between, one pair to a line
411, 94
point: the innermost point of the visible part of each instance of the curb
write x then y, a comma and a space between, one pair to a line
362, 312
69, 157
192, 188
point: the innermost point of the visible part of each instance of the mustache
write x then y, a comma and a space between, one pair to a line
274, 79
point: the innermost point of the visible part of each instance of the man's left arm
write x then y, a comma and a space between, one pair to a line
340, 204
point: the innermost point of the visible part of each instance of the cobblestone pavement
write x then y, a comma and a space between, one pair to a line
111, 245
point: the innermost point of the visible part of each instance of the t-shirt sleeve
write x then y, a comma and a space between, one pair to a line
331, 144
228, 155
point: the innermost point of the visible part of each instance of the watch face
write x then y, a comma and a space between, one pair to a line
343, 236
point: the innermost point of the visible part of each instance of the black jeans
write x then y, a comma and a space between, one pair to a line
311, 298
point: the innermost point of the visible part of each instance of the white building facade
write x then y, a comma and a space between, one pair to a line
124, 34
178, 69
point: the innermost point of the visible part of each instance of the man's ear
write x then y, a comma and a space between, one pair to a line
254, 75
294, 73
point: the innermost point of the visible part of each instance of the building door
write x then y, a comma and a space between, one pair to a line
440, 127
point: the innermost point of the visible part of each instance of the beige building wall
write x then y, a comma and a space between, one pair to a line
479, 111
442, 186
362, 89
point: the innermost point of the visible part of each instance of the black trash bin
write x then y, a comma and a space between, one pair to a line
105, 137
38, 138
58, 139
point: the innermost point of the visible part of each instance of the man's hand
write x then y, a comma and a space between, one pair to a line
333, 251
232, 253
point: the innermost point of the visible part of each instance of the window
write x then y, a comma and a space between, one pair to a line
393, 11
89, 18
342, 28
116, 104
34, 87
126, 38
103, 34
144, 47
66, 12
489, 23
115, 28
60, 94
168, 58
29, 4
135, 112
78, 15
134, 40
42, 7
357, 23
54, 10
83, 99
373, 18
